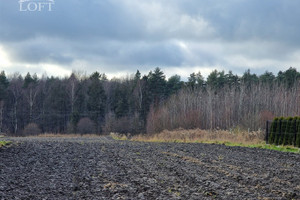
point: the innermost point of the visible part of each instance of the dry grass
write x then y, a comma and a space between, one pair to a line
204, 136
118, 136
65, 135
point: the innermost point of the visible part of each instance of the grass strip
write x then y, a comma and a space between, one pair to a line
4, 143
260, 145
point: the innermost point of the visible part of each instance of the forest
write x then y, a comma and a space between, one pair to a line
148, 103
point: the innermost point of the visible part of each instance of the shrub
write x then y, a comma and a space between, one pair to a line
287, 128
86, 126
127, 124
273, 130
32, 129
285, 131
293, 131
298, 133
279, 130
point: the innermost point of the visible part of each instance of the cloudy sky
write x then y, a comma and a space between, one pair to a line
120, 36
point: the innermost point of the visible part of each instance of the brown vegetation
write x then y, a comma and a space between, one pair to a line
66, 135
32, 129
126, 124
198, 135
86, 126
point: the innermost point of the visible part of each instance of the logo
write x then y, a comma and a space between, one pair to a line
36, 5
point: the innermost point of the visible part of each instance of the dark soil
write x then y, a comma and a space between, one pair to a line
102, 168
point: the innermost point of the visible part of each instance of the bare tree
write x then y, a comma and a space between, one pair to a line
72, 87
30, 93
15, 88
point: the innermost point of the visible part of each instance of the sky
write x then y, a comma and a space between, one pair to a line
117, 37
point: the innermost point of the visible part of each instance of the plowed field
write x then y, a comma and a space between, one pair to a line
102, 168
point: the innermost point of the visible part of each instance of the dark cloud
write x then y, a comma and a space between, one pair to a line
40, 51
131, 34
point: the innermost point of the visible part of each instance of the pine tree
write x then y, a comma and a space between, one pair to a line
212, 79
248, 79
267, 78
192, 80
56, 106
157, 86
195, 80
30, 80
174, 84
3, 95
121, 101
96, 100
137, 76
3, 86
232, 80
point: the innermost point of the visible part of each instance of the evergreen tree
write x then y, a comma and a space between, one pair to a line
121, 99
298, 133
248, 79
273, 130
3, 95
137, 76
195, 80
30, 80
192, 80
290, 76
212, 79
157, 85
96, 100
146, 100
56, 107
288, 131
174, 84
200, 79
232, 80
3, 86
279, 131
293, 130
267, 78
216, 80
284, 127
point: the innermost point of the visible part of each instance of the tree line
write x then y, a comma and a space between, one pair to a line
135, 104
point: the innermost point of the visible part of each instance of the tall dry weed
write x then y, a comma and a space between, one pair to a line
198, 135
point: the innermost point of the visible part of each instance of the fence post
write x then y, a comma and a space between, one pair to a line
267, 132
